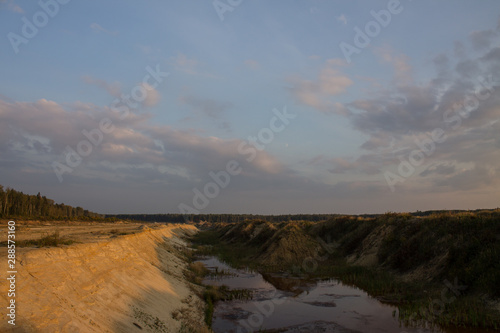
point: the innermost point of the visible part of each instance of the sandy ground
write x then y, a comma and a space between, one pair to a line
116, 277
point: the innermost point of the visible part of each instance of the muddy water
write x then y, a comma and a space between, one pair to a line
297, 305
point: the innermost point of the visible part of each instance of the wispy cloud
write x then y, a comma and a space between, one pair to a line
151, 96
482, 39
190, 66
342, 18
98, 28
182, 63
210, 108
253, 64
114, 89
12, 6
206, 106
403, 72
317, 93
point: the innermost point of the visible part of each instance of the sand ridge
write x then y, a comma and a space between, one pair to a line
128, 283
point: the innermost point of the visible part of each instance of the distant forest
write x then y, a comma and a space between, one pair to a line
15, 204
235, 218
225, 218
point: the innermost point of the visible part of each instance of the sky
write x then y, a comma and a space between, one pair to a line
252, 106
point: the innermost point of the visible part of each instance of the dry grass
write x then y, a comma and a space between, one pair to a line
46, 241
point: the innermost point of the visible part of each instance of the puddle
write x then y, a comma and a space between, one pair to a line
300, 305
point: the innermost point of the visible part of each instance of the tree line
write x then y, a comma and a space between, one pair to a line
235, 218
16, 204
224, 218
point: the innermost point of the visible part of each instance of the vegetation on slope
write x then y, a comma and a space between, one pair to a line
45, 241
195, 273
443, 268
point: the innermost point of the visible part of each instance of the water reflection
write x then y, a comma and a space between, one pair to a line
297, 305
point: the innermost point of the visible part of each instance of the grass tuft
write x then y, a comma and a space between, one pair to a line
52, 240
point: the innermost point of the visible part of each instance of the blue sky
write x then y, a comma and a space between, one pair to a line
355, 121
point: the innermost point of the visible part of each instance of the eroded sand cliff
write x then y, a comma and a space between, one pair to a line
130, 283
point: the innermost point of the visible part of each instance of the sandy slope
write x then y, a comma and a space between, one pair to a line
130, 283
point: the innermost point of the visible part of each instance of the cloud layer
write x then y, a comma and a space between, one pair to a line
462, 102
